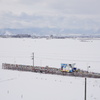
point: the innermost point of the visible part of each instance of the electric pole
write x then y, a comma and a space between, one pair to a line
85, 88
33, 58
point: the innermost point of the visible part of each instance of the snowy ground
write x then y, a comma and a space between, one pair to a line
15, 85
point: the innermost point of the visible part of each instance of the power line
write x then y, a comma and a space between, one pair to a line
68, 59
50, 58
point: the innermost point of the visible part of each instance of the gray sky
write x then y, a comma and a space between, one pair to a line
70, 14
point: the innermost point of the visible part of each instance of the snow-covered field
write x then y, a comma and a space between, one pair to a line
16, 85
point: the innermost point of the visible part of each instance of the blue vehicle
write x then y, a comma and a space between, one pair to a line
68, 68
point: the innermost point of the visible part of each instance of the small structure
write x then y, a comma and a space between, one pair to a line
68, 67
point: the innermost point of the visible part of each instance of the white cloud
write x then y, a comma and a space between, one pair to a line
83, 14
10, 20
51, 6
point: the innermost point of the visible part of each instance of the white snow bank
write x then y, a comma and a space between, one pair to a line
17, 85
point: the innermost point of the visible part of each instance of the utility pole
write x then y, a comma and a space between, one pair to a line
33, 58
85, 88
88, 68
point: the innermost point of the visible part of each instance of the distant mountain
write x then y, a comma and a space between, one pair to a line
47, 31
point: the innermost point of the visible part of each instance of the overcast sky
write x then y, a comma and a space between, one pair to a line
73, 14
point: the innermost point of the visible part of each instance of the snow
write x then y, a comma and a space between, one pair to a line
17, 85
